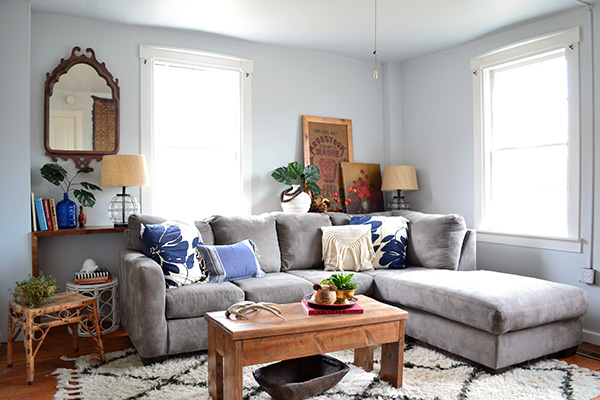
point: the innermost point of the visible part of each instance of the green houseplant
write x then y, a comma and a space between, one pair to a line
344, 284
295, 199
66, 209
295, 174
341, 281
35, 291
58, 176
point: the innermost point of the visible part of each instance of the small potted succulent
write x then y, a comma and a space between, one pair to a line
295, 199
35, 291
344, 284
66, 210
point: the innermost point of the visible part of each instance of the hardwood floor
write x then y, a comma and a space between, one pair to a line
13, 381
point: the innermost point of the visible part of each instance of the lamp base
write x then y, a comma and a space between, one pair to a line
398, 202
121, 207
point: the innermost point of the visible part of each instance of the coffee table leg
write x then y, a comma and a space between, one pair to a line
392, 360
215, 366
232, 376
363, 357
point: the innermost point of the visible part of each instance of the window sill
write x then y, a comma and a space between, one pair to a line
539, 242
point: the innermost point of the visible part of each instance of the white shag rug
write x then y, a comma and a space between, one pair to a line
428, 375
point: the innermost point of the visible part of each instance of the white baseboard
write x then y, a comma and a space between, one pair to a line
591, 337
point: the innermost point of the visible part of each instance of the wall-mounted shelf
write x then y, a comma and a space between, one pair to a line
92, 230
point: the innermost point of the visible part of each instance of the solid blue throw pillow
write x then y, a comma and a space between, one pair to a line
225, 263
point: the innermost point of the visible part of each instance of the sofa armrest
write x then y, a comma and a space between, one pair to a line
142, 299
468, 253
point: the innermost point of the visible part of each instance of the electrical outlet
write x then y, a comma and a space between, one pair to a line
587, 275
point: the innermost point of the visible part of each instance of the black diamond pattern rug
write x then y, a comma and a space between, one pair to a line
428, 375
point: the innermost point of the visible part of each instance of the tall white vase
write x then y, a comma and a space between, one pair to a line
299, 204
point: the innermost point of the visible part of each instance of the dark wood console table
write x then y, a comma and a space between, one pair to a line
92, 230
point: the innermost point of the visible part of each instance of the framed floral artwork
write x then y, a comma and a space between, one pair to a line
327, 143
362, 187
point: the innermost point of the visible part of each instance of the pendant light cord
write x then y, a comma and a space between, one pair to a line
375, 73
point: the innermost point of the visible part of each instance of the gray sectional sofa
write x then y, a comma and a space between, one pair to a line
492, 318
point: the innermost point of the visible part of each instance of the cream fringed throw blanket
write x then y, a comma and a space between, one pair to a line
347, 248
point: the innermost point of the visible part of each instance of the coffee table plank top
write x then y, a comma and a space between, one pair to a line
264, 324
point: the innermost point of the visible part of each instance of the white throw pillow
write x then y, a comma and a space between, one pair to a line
347, 248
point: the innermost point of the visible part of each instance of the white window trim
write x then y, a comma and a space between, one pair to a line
568, 38
158, 53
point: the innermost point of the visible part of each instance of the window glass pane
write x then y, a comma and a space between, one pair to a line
530, 103
196, 182
529, 191
197, 141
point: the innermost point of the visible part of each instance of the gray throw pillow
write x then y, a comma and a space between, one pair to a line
300, 239
258, 228
434, 240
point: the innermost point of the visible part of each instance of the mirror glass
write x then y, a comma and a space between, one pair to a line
82, 112
81, 109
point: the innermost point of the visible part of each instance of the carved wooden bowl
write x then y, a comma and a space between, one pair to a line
300, 378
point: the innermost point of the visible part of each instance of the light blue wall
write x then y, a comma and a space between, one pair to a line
287, 83
438, 140
15, 204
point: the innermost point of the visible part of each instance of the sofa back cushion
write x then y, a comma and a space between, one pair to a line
300, 239
258, 228
435, 240
132, 234
340, 218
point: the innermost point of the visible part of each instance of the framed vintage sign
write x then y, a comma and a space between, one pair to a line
328, 143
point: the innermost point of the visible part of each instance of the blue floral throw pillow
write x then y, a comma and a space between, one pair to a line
232, 262
390, 237
172, 245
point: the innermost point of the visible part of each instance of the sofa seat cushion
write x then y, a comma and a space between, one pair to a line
491, 301
365, 282
275, 287
197, 299
258, 228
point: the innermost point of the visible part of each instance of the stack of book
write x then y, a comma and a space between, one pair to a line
43, 214
101, 275
310, 310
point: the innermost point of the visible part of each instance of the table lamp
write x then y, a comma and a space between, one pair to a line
399, 177
123, 170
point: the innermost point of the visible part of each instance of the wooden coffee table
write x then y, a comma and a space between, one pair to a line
233, 344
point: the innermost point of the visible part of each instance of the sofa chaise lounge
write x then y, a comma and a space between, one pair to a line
491, 318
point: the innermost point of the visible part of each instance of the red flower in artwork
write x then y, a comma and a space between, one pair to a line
362, 191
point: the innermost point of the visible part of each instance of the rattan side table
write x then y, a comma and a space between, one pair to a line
108, 305
66, 308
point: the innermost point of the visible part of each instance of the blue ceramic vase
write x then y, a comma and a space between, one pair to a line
66, 213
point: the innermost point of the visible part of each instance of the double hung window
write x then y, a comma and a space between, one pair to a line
196, 127
526, 103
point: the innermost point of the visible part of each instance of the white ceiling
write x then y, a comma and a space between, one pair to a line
405, 29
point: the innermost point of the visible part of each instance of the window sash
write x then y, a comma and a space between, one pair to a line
509, 56
150, 56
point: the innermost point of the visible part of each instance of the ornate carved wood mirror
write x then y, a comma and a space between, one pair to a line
81, 109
